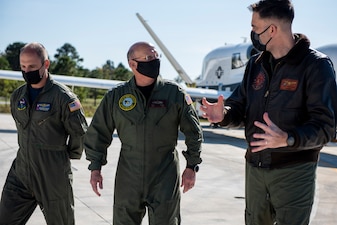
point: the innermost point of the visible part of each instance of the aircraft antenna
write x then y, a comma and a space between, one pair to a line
166, 52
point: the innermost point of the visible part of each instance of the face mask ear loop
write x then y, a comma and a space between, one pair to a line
268, 41
44, 71
264, 30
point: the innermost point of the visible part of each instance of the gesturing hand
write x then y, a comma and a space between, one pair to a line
273, 136
213, 111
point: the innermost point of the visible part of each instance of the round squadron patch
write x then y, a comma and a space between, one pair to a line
259, 81
127, 102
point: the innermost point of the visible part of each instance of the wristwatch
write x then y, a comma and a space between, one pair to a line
290, 140
195, 168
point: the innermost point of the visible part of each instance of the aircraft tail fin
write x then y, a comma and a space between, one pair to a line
166, 52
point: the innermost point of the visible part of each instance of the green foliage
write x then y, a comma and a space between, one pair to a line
121, 73
66, 61
67, 50
12, 53
4, 64
108, 70
63, 66
90, 106
8, 86
5, 108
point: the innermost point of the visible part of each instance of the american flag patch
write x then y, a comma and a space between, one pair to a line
75, 105
188, 99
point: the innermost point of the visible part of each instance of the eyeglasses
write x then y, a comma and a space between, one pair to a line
148, 58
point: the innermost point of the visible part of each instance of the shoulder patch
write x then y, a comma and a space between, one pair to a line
188, 99
75, 105
22, 104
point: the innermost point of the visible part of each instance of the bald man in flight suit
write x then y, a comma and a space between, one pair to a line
147, 113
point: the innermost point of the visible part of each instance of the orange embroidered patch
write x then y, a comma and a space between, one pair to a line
288, 85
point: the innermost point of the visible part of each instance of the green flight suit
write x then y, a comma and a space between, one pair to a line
148, 172
50, 133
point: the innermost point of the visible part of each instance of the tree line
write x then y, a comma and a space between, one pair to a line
66, 61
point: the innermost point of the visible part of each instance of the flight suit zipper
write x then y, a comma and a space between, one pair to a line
143, 103
267, 98
32, 108
28, 144
146, 105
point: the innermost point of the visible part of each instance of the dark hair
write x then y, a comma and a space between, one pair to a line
279, 9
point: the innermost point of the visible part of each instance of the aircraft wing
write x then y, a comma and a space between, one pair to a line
199, 93
67, 80
195, 93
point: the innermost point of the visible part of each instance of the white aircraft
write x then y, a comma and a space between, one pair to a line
223, 67
222, 70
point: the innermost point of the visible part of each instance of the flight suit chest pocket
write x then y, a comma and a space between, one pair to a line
43, 112
158, 109
21, 118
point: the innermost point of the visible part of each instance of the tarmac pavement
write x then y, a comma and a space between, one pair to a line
216, 199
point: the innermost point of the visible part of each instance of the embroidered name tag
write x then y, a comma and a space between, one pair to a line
288, 85
158, 104
44, 107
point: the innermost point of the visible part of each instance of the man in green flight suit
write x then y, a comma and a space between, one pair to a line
147, 113
51, 125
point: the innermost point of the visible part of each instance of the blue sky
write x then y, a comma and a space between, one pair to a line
104, 29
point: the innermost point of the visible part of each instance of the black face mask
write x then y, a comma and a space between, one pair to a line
149, 69
32, 77
255, 37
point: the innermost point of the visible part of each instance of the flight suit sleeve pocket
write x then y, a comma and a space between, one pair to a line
78, 123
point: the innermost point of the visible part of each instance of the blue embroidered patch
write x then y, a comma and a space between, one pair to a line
45, 107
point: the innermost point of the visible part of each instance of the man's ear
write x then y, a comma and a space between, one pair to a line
132, 64
47, 63
273, 29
